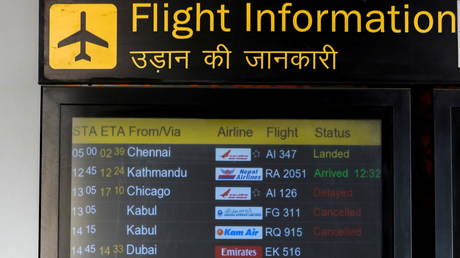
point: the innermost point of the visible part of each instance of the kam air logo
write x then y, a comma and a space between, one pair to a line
239, 174
233, 193
236, 251
238, 232
233, 154
83, 36
238, 213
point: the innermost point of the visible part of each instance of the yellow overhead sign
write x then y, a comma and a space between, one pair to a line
83, 36
225, 131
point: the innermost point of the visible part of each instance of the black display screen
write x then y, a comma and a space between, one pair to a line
456, 180
215, 188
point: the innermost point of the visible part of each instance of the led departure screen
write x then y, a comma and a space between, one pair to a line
215, 188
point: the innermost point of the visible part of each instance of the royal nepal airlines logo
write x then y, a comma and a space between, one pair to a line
239, 174
225, 173
233, 193
227, 251
233, 154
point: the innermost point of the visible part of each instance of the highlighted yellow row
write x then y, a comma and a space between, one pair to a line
225, 131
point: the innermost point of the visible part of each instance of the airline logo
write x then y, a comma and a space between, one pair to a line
239, 174
233, 154
238, 213
238, 232
233, 193
228, 251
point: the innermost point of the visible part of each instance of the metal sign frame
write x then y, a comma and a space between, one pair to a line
341, 102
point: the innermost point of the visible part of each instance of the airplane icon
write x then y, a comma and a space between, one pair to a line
83, 36
224, 194
226, 154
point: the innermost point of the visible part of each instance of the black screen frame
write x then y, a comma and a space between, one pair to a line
61, 104
447, 179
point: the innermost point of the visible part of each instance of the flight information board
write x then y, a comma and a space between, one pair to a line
214, 188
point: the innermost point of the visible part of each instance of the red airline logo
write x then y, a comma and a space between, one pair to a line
236, 251
226, 154
233, 154
225, 193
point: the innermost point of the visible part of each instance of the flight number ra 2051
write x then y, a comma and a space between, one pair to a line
287, 173
281, 154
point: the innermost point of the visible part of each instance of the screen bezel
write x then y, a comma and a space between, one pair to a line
447, 181
207, 103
